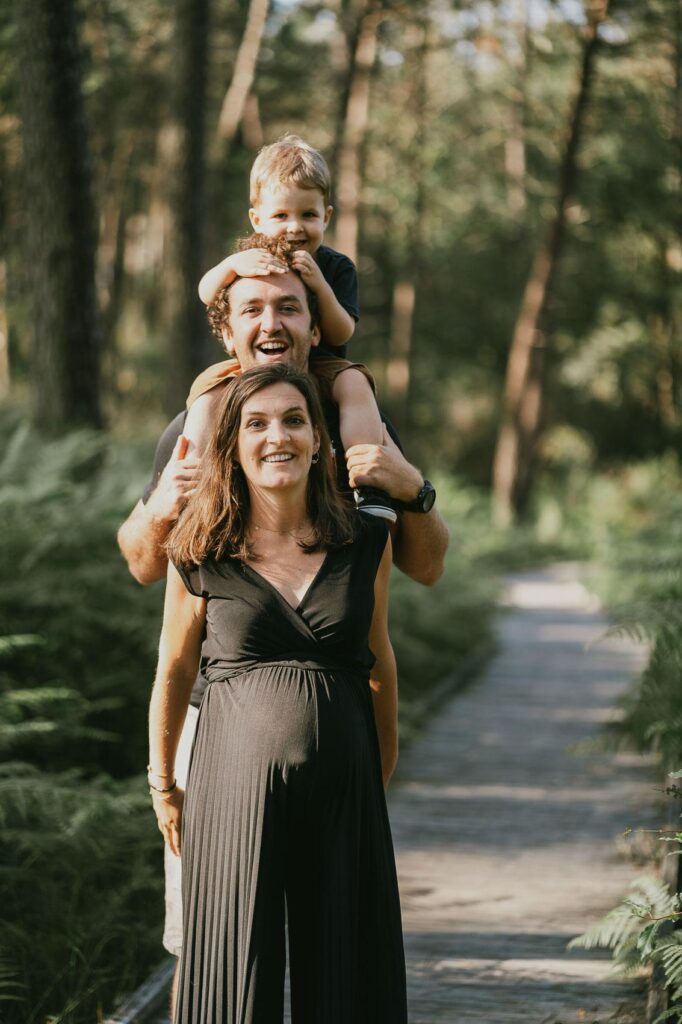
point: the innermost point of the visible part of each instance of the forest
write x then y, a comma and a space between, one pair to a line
507, 177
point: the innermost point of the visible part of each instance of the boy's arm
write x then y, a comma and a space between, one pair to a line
421, 539
336, 324
250, 263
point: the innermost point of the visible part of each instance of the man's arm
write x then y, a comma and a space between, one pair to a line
143, 534
421, 539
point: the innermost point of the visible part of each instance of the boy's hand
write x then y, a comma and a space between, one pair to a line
305, 264
256, 263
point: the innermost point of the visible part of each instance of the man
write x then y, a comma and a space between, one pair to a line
267, 318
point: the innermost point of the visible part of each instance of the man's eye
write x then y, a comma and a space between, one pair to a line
289, 309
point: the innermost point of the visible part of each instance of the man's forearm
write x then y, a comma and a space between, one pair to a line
141, 539
419, 546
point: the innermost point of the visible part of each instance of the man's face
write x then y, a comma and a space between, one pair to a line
270, 321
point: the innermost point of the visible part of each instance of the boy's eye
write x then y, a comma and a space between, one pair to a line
279, 216
310, 214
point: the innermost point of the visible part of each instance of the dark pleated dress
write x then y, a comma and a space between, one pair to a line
285, 806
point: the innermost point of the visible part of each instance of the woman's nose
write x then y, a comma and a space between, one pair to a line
277, 432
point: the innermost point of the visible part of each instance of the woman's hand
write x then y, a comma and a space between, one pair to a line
168, 810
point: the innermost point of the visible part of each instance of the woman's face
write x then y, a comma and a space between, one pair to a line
276, 439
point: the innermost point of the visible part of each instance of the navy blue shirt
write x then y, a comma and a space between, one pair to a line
340, 274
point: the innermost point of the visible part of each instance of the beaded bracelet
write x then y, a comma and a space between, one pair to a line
155, 789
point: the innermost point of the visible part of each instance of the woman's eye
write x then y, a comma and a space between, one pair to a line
255, 423
297, 421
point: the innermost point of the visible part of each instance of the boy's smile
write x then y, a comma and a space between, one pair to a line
298, 214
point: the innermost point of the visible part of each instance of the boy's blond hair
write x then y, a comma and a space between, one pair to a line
290, 161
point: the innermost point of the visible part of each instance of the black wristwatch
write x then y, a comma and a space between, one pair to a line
423, 502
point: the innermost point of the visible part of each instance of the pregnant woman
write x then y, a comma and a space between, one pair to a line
285, 804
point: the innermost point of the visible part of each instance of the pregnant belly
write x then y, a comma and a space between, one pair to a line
277, 717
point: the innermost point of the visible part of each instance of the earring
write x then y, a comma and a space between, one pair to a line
316, 458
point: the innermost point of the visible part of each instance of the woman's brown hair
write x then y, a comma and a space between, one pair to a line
214, 523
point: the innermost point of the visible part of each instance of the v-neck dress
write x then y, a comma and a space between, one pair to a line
285, 805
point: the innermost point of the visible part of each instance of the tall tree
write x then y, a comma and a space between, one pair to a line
408, 271
524, 382
60, 218
354, 127
182, 152
234, 104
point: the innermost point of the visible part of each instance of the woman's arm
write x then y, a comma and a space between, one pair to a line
181, 634
383, 677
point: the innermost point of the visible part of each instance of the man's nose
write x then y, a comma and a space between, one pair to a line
269, 321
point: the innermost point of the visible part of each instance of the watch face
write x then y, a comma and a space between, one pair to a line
428, 500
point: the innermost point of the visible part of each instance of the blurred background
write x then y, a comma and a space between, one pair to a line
507, 177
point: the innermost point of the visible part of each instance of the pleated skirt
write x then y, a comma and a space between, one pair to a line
285, 817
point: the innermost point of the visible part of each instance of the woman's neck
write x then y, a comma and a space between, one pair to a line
278, 513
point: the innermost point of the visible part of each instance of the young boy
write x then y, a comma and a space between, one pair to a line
290, 189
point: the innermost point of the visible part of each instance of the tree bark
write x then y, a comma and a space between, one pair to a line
354, 130
407, 284
524, 385
183, 146
235, 100
515, 143
60, 216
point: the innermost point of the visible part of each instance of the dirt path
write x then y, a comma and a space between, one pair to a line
508, 840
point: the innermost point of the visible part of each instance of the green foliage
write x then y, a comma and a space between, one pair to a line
637, 527
85, 670
80, 892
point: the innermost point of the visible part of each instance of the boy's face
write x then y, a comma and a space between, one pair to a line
298, 214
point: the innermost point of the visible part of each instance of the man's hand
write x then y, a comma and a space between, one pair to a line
176, 484
256, 263
383, 466
305, 264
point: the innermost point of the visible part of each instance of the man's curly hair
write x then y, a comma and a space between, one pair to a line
219, 311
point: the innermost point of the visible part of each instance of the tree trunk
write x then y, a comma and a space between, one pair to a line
406, 287
183, 143
515, 143
234, 103
355, 122
60, 217
523, 392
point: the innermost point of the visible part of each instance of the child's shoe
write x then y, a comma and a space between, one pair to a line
374, 502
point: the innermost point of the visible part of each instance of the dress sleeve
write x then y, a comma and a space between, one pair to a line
372, 544
192, 579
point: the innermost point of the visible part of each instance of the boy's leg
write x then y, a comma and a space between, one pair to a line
360, 423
